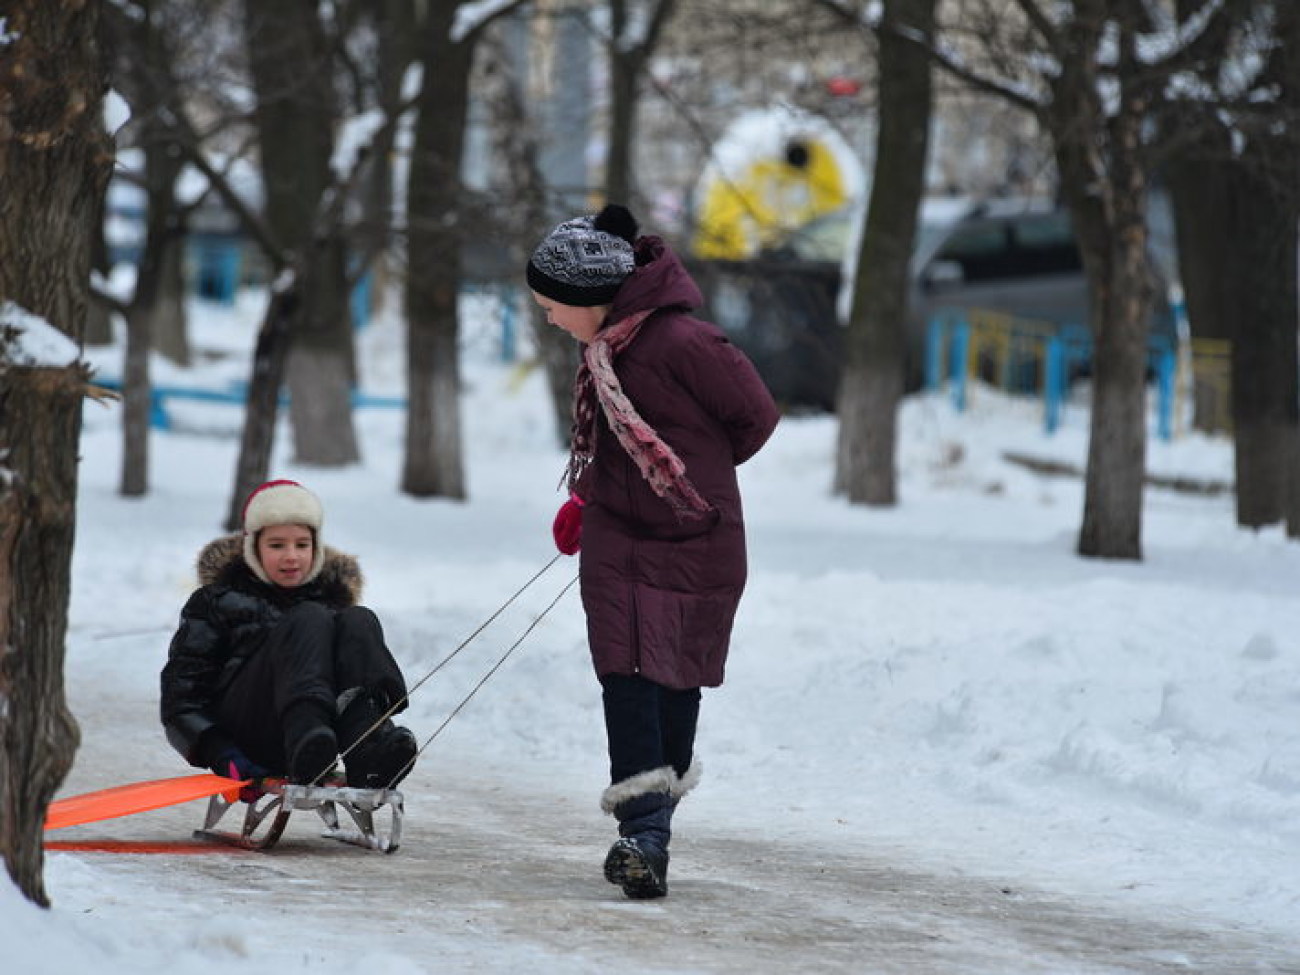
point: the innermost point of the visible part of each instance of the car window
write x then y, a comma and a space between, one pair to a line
981, 248
1020, 246
1045, 244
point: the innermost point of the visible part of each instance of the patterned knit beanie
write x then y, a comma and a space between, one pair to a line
282, 503
583, 261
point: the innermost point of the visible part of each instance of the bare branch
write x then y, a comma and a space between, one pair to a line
1041, 23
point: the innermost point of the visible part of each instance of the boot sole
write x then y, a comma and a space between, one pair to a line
626, 866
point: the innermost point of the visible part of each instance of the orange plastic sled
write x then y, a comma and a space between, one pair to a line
138, 797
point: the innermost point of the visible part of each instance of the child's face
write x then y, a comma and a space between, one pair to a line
582, 323
285, 552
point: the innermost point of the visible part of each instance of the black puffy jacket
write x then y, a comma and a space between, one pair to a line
222, 624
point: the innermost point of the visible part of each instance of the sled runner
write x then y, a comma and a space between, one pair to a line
278, 800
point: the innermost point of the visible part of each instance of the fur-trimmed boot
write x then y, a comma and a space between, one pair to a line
379, 754
643, 806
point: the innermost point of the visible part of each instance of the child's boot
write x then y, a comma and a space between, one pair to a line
379, 754
309, 742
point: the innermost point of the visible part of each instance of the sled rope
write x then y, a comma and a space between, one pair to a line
485, 678
396, 705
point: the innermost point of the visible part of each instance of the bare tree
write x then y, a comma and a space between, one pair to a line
395, 49
635, 29
54, 164
142, 42
434, 463
296, 114
1238, 245
518, 146
871, 384
1093, 88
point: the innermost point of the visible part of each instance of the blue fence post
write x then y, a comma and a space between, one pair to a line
509, 327
217, 271
1053, 383
1166, 367
159, 419
359, 301
960, 347
933, 366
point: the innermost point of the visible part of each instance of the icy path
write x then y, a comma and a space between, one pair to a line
501, 874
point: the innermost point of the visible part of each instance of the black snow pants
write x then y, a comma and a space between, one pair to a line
648, 726
313, 654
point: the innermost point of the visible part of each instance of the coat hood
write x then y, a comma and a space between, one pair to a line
660, 280
222, 559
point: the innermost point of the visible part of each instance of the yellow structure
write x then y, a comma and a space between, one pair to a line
767, 198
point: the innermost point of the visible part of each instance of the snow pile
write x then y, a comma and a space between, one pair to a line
32, 341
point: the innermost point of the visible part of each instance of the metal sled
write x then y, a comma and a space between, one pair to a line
278, 800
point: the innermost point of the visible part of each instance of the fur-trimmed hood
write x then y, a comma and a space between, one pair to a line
221, 561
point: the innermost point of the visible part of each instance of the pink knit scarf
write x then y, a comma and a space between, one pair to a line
597, 382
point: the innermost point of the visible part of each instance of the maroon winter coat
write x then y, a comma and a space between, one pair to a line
661, 594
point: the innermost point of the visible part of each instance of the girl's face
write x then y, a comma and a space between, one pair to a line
582, 323
285, 552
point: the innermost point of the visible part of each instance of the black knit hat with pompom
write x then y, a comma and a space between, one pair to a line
583, 261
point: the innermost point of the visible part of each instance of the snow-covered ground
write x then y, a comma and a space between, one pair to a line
944, 689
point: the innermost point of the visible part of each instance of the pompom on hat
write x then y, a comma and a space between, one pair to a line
584, 261
282, 502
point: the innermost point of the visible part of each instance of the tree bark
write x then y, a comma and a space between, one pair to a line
1103, 174
873, 379
321, 367
433, 465
1201, 223
54, 164
161, 255
627, 63
262, 406
395, 24
1264, 393
521, 147
1238, 251
296, 114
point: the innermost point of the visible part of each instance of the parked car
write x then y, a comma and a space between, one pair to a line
1014, 256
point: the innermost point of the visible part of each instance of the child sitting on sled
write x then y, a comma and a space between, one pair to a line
276, 668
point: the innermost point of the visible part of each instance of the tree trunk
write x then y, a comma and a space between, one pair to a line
627, 62
875, 343
296, 114
395, 24
1098, 153
434, 466
1201, 223
515, 130
263, 404
54, 164
321, 367
1264, 392
99, 317
40, 423
1238, 251
1112, 513
169, 322
160, 255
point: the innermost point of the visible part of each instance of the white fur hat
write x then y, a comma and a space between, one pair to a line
282, 503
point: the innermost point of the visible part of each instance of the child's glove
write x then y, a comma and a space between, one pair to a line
234, 764
567, 528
